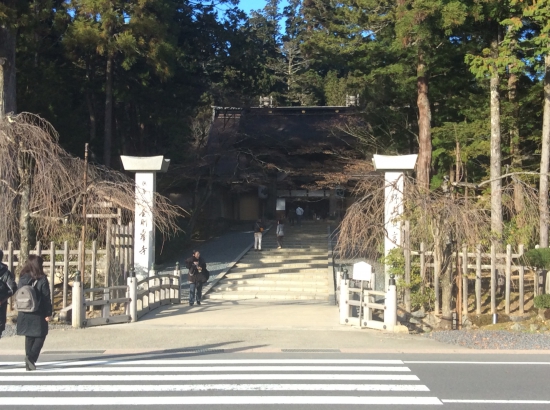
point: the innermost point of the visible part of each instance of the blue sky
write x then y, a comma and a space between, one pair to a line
247, 5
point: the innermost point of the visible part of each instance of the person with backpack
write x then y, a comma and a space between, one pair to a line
7, 289
197, 276
33, 296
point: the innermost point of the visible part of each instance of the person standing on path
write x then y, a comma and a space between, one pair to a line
7, 289
34, 325
291, 216
299, 215
280, 233
258, 232
197, 276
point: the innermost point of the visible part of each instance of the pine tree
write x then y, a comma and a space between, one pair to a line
539, 12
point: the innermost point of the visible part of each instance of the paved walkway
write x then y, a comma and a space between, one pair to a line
234, 326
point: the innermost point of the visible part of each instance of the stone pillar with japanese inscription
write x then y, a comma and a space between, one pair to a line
146, 169
394, 167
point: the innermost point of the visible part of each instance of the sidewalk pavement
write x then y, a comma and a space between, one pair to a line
243, 326
236, 326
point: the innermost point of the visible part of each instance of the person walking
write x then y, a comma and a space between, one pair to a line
299, 215
291, 216
280, 233
258, 232
197, 276
34, 325
7, 289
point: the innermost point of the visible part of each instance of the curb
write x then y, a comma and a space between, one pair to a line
279, 350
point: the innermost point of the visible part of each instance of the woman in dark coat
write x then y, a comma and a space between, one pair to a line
7, 289
198, 274
34, 326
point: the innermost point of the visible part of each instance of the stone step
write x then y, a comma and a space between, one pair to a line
297, 271
272, 296
274, 282
294, 276
282, 256
266, 247
259, 262
277, 264
273, 246
282, 269
270, 288
297, 240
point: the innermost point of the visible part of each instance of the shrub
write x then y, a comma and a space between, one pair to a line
539, 258
542, 301
421, 297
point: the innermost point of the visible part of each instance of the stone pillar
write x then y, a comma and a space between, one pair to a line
393, 209
394, 166
146, 169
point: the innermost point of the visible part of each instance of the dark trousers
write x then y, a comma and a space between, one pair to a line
33, 346
195, 292
280, 240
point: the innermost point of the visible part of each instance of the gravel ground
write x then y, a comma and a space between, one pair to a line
493, 339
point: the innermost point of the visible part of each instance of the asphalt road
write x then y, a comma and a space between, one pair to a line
175, 380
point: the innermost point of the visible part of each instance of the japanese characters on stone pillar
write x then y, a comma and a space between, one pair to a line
394, 166
146, 169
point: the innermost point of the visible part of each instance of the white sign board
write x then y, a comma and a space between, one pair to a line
281, 204
362, 271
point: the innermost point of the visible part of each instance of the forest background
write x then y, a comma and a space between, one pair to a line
462, 83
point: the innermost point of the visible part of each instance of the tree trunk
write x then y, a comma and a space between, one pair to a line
25, 181
91, 115
496, 183
519, 203
545, 158
446, 293
108, 138
446, 273
7, 71
424, 126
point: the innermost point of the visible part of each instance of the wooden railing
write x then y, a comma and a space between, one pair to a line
140, 297
157, 290
480, 271
107, 266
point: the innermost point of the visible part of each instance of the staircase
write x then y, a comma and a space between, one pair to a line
298, 271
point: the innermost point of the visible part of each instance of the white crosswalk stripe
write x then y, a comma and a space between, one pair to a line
187, 382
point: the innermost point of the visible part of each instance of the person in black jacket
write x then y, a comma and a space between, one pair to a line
34, 326
7, 289
197, 276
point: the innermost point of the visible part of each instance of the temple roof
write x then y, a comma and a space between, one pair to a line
251, 143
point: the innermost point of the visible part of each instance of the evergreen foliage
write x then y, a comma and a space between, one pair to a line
132, 77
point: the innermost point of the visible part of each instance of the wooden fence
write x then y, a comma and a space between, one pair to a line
104, 266
493, 272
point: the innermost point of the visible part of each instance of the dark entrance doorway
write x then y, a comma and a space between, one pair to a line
314, 209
